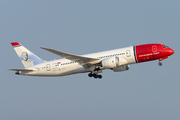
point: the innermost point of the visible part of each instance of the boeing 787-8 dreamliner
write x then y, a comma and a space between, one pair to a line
116, 60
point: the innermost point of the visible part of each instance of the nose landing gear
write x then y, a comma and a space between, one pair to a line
160, 63
95, 75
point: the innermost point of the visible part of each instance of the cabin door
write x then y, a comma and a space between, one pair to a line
128, 53
48, 67
154, 48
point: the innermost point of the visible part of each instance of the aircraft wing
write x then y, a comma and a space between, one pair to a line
80, 59
25, 70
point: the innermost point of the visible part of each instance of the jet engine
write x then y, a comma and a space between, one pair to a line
109, 63
121, 68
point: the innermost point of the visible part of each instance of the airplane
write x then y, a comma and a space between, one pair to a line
117, 60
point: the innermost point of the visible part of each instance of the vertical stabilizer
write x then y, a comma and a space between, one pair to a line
27, 58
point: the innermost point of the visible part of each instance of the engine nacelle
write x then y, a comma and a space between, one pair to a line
121, 68
109, 63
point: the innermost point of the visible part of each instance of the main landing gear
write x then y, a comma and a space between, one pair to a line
95, 75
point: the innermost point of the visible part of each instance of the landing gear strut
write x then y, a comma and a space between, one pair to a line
95, 75
160, 63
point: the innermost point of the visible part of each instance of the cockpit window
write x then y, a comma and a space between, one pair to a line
165, 47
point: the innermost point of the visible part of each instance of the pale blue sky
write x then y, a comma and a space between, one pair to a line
145, 92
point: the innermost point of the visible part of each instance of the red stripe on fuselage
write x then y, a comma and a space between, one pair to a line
148, 52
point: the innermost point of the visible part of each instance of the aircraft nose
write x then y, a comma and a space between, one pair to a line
171, 51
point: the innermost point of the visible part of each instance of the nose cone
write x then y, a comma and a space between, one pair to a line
171, 51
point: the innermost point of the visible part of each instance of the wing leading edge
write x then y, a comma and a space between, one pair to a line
25, 70
80, 59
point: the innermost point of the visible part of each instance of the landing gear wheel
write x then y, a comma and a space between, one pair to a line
160, 64
95, 76
90, 74
99, 76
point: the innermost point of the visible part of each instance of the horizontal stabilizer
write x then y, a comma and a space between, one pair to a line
25, 70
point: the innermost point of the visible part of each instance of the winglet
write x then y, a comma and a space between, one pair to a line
15, 44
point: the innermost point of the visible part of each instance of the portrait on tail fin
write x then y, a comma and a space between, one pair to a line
27, 62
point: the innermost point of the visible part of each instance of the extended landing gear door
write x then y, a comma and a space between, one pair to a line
128, 53
48, 67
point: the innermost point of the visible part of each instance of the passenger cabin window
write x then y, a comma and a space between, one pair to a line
142, 50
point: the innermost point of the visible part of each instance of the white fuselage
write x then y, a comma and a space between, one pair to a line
116, 60
62, 67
